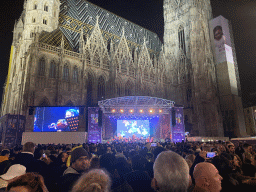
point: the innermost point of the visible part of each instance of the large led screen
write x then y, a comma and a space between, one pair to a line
128, 128
53, 119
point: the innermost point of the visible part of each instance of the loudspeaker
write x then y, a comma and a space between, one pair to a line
31, 111
173, 117
100, 118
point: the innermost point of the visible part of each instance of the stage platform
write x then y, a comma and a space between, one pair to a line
54, 137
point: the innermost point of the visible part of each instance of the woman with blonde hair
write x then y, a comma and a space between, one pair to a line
95, 180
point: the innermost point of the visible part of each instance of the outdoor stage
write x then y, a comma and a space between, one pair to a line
131, 118
135, 118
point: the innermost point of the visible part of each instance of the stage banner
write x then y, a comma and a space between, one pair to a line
94, 131
12, 127
178, 130
221, 41
165, 126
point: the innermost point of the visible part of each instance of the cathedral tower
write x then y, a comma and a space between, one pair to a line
187, 39
36, 17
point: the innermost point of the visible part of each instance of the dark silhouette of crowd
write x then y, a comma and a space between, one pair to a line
128, 167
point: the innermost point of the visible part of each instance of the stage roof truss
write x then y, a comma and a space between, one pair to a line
136, 103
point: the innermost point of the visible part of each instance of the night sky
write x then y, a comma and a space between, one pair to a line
149, 14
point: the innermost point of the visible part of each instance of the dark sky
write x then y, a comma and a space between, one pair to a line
149, 14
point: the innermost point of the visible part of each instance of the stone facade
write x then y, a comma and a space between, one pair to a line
75, 53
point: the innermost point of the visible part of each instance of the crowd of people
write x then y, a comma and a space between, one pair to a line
164, 167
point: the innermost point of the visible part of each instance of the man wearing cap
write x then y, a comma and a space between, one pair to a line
79, 163
14, 171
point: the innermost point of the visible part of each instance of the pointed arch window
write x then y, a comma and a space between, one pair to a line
181, 35
66, 73
105, 63
128, 89
35, 6
46, 8
53, 69
41, 67
89, 90
145, 74
88, 59
152, 76
45, 21
101, 88
96, 60
123, 66
132, 71
118, 90
75, 74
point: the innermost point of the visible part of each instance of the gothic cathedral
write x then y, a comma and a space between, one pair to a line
72, 52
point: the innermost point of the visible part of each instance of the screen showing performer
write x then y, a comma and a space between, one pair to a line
128, 128
53, 119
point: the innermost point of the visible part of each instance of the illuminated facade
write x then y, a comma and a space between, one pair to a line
71, 52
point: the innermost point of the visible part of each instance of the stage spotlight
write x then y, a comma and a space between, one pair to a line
141, 111
151, 111
131, 111
121, 110
160, 111
113, 110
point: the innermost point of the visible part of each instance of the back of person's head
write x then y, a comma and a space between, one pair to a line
33, 182
95, 163
157, 151
108, 161
246, 145
139, 163
95, 180
171, 172
191, 157
5, 152
29, 147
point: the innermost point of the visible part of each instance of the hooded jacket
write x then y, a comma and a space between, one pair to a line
69, 178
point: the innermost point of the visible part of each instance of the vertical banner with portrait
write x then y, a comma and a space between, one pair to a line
221, 42
94, 130
178, 128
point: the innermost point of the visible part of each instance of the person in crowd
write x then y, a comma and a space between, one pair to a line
207, 178
200, 157
5, 163
95, 180
231, 149
5, 154
56, 170
95, 163
26, 158
13, 172
109, 150
247, 155
108, 162
29, 182
79, 163
221, 149
119, 153
139, 179
171, 173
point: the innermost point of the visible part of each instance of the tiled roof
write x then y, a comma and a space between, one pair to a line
75, 14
